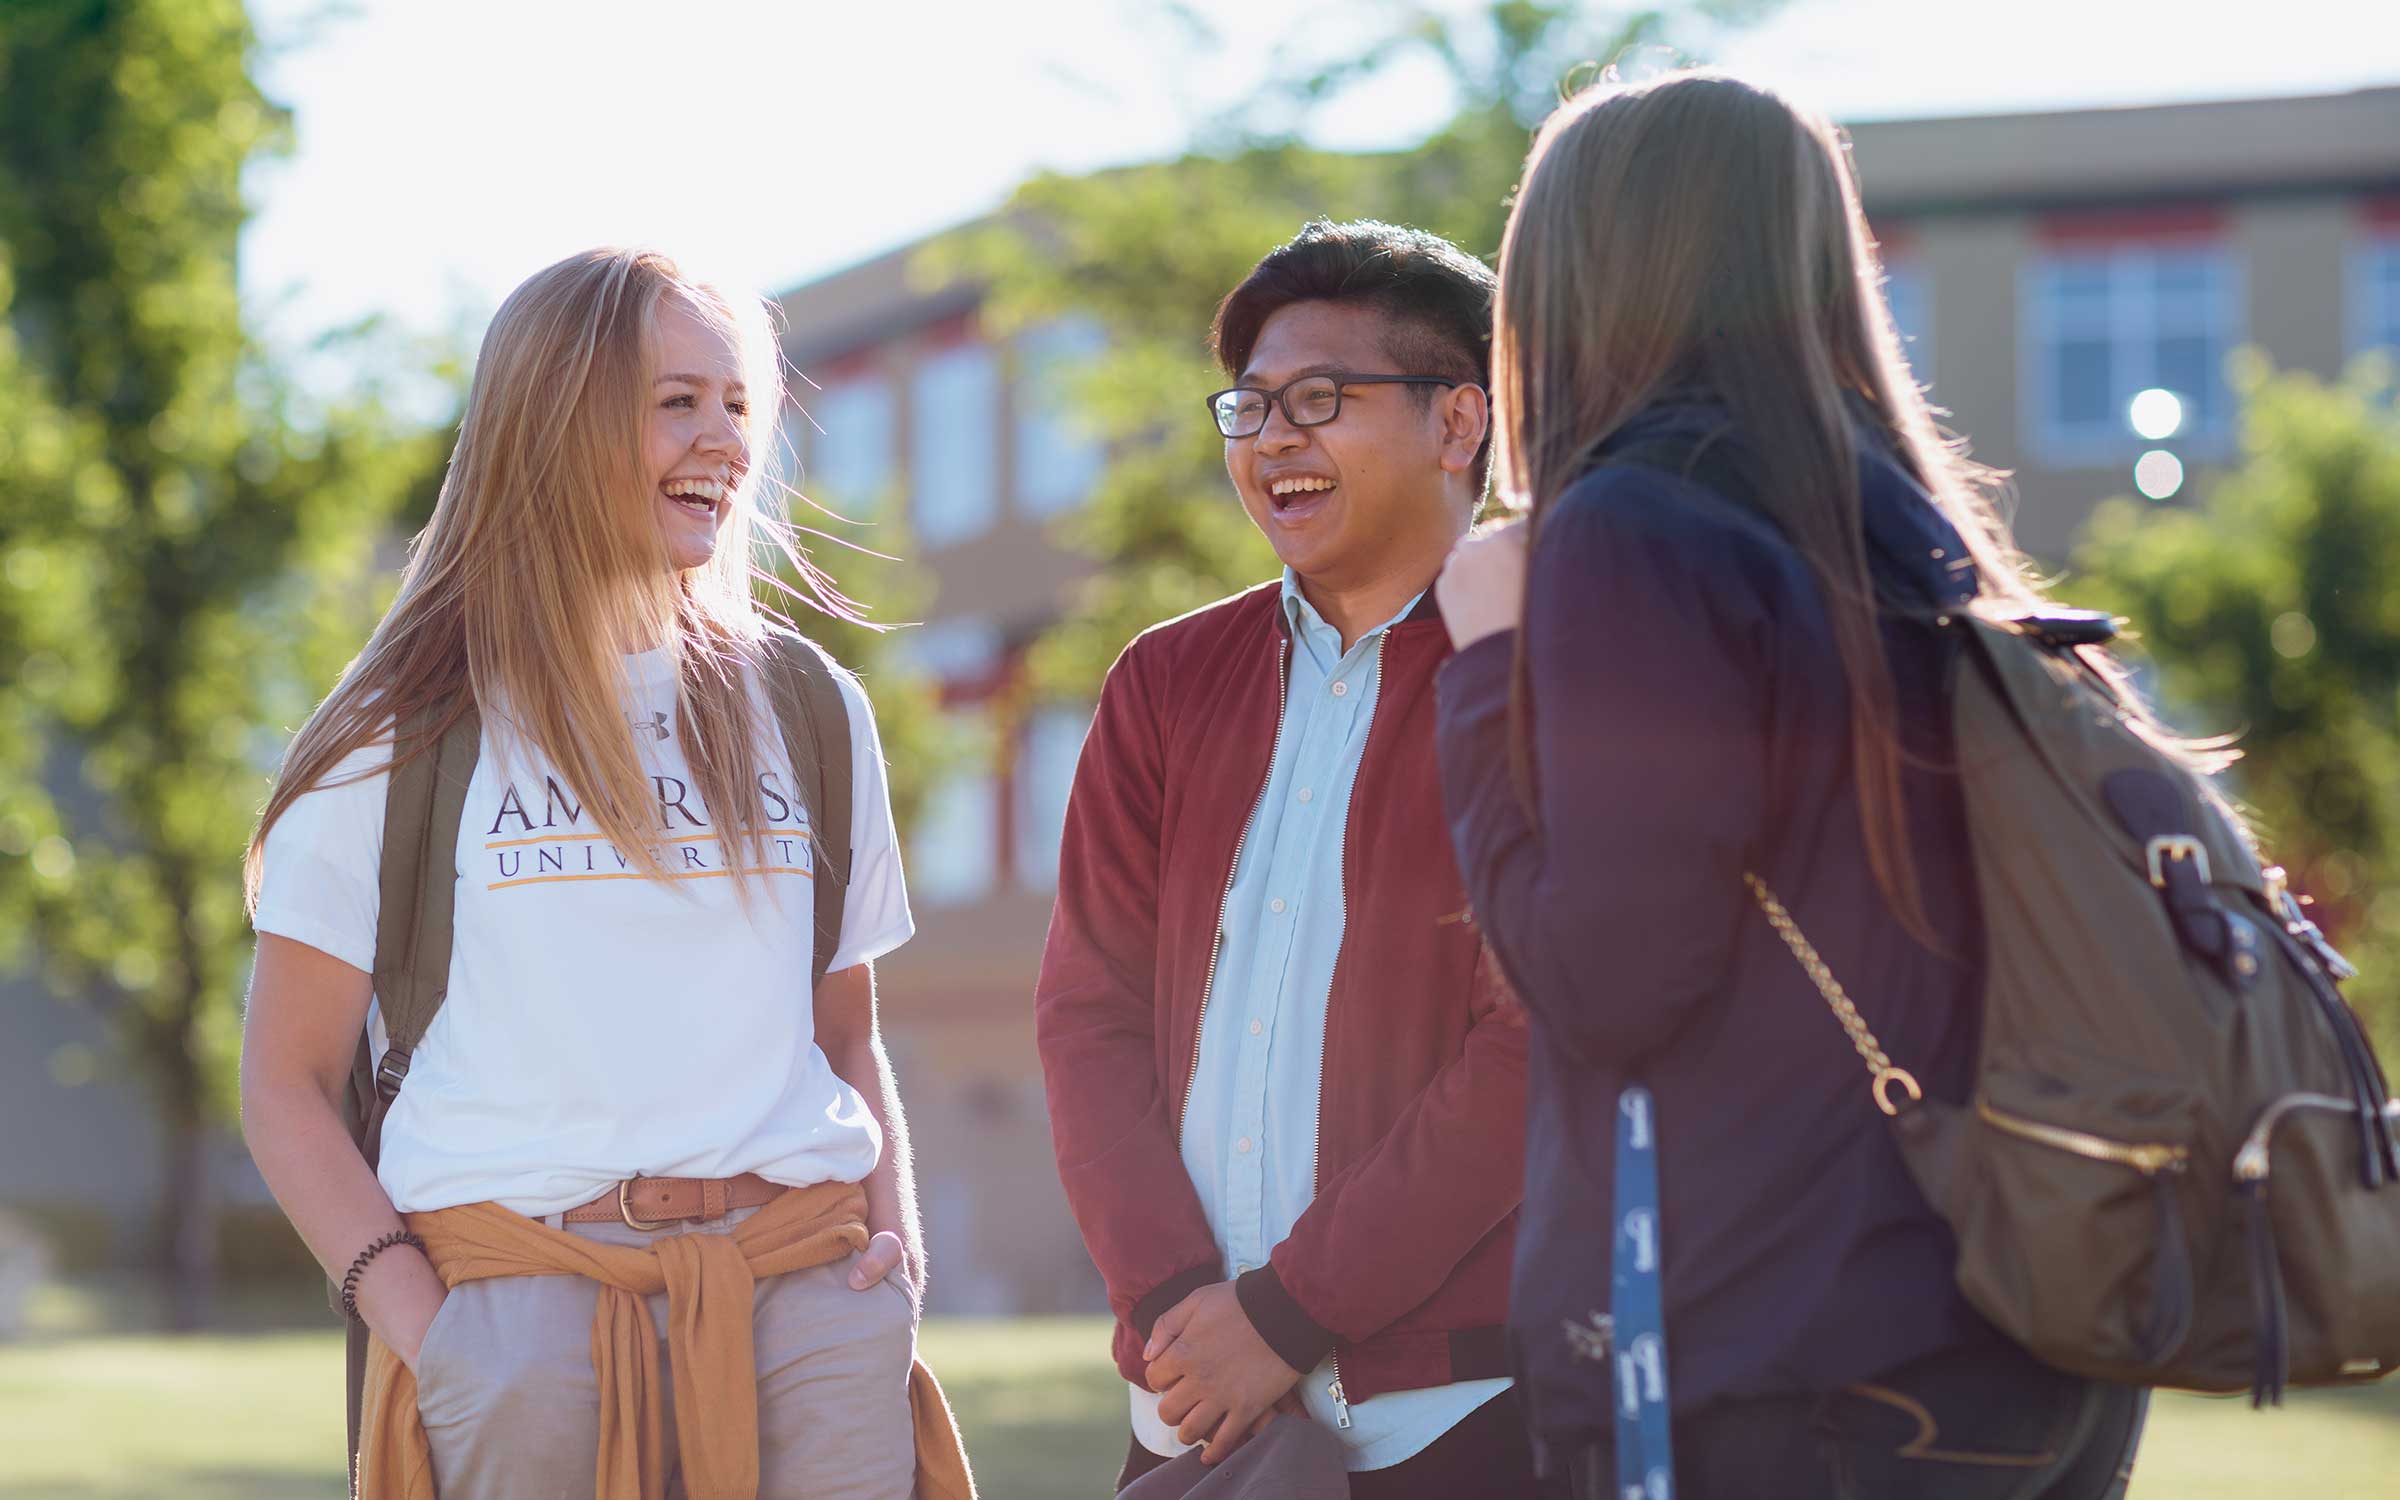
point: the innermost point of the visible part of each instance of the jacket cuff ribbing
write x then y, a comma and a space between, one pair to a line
1174, 1289
1297, 1339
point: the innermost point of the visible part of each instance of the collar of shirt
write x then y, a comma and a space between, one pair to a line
1320, 640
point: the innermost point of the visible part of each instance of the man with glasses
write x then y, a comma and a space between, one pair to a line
1286, 1080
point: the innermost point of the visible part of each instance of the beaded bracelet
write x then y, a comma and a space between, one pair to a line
358, 1267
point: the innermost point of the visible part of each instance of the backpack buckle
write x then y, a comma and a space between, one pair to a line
2171, 847
1885, 1078
390, 1072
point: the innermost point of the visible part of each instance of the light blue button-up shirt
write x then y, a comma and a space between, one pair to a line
1250, 1129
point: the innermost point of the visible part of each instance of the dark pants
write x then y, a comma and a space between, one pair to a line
1993, 1425
1487, 1456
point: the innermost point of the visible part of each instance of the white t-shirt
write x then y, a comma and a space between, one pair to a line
602, 1025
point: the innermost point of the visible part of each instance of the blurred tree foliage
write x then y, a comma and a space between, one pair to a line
192, 547
880, 593
186, 544
2267, 611
1148, 251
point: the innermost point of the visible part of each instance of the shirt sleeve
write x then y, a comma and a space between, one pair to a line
875, 914
324, 858
1614, 908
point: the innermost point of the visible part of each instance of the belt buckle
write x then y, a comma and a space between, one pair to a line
625, 1209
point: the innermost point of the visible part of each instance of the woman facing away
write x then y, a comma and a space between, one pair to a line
1717, 646
635, 1169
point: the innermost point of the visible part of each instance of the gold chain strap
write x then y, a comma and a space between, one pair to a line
1821, 974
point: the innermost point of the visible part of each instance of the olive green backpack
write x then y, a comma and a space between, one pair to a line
2178, 1165
421, 814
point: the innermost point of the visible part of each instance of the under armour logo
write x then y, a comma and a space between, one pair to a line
656, 724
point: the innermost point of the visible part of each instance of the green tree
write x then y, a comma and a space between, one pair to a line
876, 593
185, 566
1147, 251
2266, 612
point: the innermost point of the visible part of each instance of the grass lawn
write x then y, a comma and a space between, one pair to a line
96, 1415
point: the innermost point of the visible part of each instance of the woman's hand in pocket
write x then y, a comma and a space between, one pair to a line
399, 1297
881, 1258
885, 1263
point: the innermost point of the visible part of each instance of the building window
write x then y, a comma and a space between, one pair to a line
2106, 324
850, 447
1058, 457
776, 461
1045, 771
1908, 291
954, 445
961, 649
954, 858
2375, 295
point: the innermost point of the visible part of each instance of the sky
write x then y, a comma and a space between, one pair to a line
446, 149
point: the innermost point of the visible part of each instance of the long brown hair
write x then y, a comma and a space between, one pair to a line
1697, 231
546, 561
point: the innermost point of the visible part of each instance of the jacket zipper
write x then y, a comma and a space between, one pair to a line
1208, 985
2146, 1157
2251, 1163
1316, 1159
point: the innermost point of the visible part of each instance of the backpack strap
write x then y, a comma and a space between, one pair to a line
1884, 1074
419, 888
816, 735
419, 892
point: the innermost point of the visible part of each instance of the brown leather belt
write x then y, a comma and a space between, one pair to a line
655, 1202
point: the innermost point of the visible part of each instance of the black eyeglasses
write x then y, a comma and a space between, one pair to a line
1310, 401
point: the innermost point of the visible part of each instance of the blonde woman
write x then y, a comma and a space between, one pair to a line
1721, 645
627, 1009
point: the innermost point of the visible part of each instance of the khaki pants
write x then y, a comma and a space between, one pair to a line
512, 1408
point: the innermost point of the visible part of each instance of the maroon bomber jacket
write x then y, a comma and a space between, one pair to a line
1400, 1267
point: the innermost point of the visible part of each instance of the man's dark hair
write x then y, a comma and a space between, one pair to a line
1435, 299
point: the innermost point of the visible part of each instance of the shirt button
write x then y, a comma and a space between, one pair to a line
1242, 1145
1341, 690
1241, 1268
1257, 1026
1306, 795
1276, 905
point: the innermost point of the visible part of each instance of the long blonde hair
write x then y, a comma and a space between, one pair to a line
546, 560
1694, 231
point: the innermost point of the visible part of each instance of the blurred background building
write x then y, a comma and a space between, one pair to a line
2048, 270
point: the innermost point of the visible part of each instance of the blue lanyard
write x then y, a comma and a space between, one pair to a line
1637, 1310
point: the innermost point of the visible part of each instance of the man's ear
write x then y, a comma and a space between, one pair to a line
1466, 417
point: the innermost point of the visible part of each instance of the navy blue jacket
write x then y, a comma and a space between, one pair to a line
1691, 722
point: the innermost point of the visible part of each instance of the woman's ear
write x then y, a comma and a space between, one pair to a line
1466, 418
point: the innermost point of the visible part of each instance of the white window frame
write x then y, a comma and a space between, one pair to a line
1916, 337
2373, 301
1057, 460
862, 409
1048, 747
953, 649
2133, 334
954, 455
954, 854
